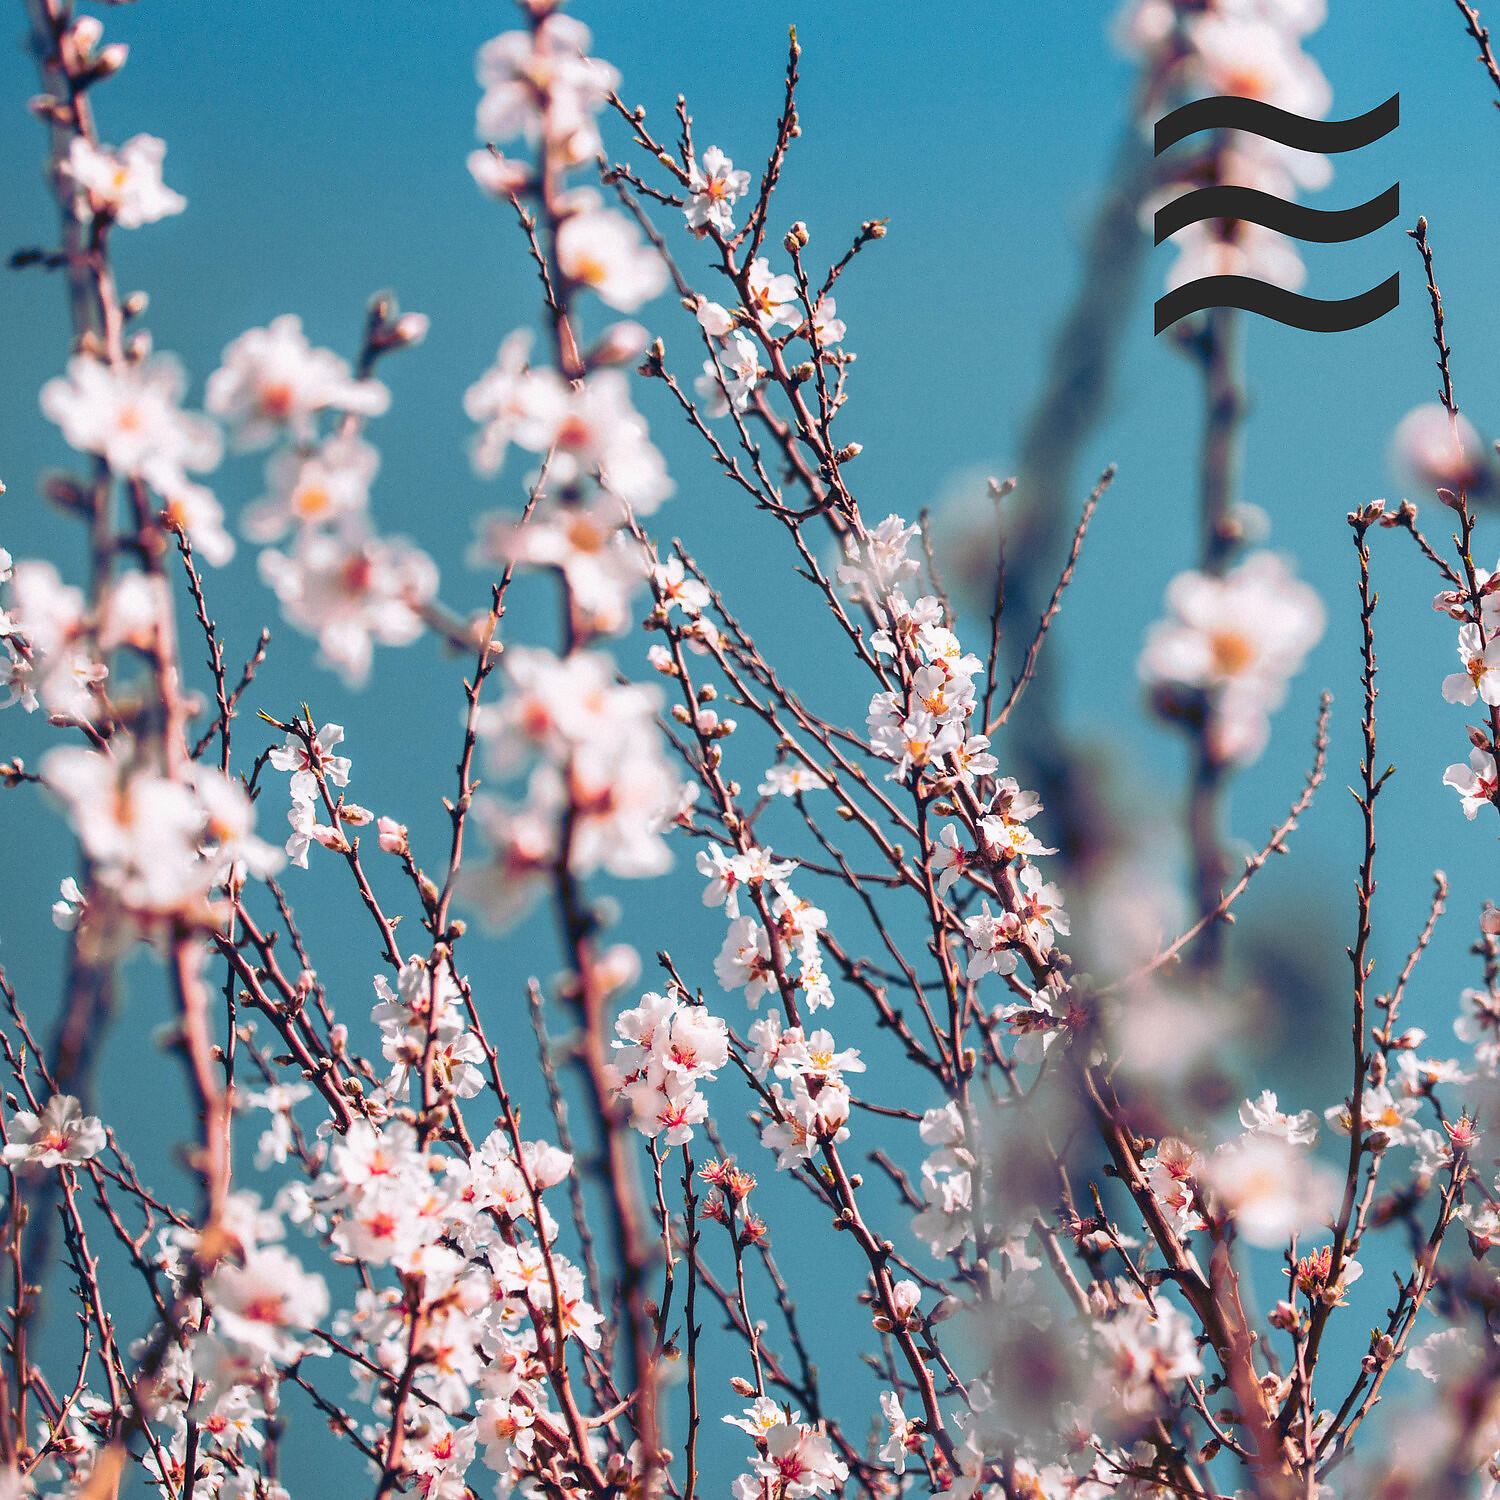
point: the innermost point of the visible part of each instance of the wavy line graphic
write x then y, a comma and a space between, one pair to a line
1252, 206
1325, 226
1228, 112
1278, 304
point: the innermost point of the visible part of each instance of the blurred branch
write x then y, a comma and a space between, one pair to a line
1073, 401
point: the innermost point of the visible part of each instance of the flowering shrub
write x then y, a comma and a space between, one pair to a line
1043, 1211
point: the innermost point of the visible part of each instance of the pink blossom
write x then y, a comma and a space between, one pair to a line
62, 1135
272, 379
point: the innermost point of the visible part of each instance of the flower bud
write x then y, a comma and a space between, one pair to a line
46, 107
832, 1109
66, 492
652, 363
1283, 1315
620, 343
410, 329
906, 1297
1439, 448
330, 838
86, 32
111, 59
617, 967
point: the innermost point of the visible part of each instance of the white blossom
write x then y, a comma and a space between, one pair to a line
62, 1135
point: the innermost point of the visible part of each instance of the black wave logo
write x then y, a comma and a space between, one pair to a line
1249, 205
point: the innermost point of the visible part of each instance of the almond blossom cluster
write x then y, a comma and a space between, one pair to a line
51, 652
543, 86
769, 928
339, 581
792, 1457
592, 747
665, 1049
1264, 1178
314, 769
818, 1106
425, 1036
1436, 446
923, 726
120, 400
733, 369
214, 1392
128, 412
1149, 1346
948, 1182
1232, 643
1478, 680
160, 847
771, 301
598, 443
469, 1230
599, 791
466, 1228
753, 951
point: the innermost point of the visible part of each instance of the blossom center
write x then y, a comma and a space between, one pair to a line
1232, 652
265, 1308
356, 575
573, 432
276, 400
590, 271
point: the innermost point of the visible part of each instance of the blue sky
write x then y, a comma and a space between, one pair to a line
321, 149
